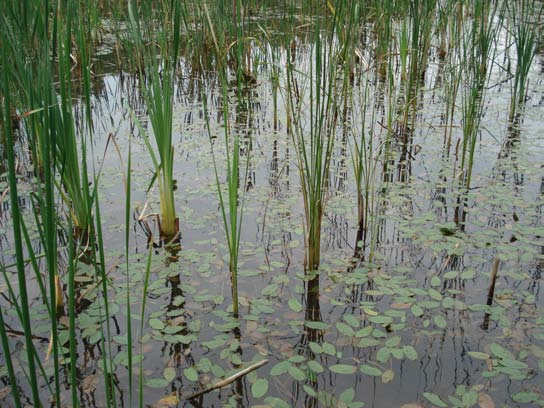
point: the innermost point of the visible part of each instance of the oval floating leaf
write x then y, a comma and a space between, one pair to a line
435, 399
156, 383
156, 324
500, 351
352, 321
440, 322
478, 355
296, 373
525, 397
410, 352
369, 370
169, 373
343, 369
259, 388
383, 355
345, 329
417, 310
347, 396
191, 374
295, 305
315, 366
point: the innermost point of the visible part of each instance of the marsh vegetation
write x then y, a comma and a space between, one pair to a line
253, 203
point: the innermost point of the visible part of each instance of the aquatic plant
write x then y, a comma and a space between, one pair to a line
524, 15
313, 130
477, 50
157, 78
232, 207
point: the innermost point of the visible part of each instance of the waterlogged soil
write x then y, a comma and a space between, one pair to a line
404, 321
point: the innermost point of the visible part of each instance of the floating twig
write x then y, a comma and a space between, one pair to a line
229, 380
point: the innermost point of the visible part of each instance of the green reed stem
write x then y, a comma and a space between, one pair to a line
17, 238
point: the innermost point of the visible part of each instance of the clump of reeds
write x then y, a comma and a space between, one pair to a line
311, 95
524, 15
478, 50
157, 76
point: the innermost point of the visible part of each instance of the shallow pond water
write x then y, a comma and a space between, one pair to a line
403, 320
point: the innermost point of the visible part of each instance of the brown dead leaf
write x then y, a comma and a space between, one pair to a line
412, 405
171, 400
485, 401
88, 384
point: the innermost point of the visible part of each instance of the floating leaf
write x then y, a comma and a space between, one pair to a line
309, 390
519, 365
368, 342
398, 353
280, 368
468, 274
440, 322
478, 355
316, 325
435, 399
369, 370
393, 341
169, 373
316, 348
259, 388
434, 294
156, 383
381, 319
383, 355
410, 352
388, 376
364, 332
315, 366
343, 369
156, 324
470, 398
417, 311
329, 349
524, 397
345, 329
450, 275
248, 272
347, 396
296, 373
295, 305
351, 320
168, 401
191, 374
435, 281
500, 351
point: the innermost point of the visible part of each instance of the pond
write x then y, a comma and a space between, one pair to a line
426, 291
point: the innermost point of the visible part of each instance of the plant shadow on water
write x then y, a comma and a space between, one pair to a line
424, 287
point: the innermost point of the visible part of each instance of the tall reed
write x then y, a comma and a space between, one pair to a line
71, 152
231, 203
